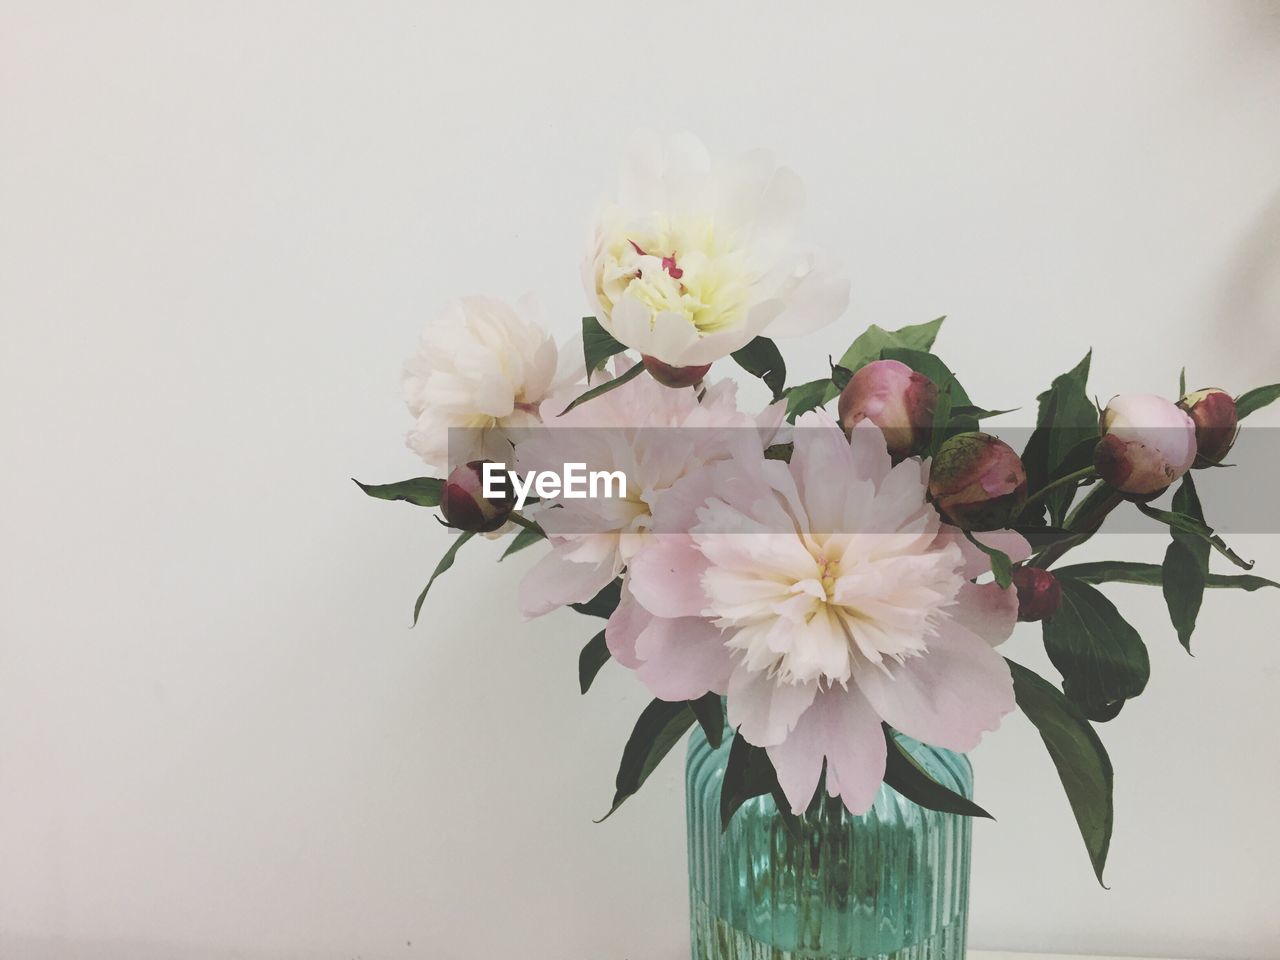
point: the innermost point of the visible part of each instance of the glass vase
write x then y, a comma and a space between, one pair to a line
891, 884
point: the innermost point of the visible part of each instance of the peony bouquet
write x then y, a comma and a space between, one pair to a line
812, 582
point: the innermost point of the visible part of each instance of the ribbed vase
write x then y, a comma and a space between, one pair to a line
892, 884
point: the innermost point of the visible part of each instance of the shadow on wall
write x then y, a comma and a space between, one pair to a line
1250, 298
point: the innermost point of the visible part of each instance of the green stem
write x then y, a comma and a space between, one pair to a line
1084, 522
1084, 473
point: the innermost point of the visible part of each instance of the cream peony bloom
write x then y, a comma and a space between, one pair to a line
823, 596
694, 261
654, 436
482, 366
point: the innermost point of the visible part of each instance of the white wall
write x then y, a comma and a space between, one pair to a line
221, 227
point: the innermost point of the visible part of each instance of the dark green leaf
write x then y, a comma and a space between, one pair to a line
1152, 575
420, 491
1253, 400
605, 387
749, 773
1082, 762
806, 397
525, 537
1186, 565
598, 345
659, 728
1182, 383
970, 412
840, 376
1101, 657
1196, 528
761, 358
779, 451
1065, 419
709, 710
1001, 566
943, 425
445, 563
593, 656
603, 603
905, 775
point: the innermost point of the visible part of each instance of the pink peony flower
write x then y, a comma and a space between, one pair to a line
592, 540
823, 596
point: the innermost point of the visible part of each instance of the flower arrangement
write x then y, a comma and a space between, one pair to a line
819, 581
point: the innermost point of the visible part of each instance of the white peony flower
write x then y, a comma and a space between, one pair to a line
694, 261
483, 366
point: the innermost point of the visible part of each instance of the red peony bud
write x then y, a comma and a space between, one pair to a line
1039, 593
464, 504
977, 482
1213, 411
670, 376
1147, 443
896, 399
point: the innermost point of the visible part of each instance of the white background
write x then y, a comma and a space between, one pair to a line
222, 226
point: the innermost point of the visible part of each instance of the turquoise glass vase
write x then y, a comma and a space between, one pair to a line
891, 884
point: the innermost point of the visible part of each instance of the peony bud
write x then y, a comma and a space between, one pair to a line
977, 482
464, 504
896, 399
1039, 593
1147, 443
670, 376
1213, 411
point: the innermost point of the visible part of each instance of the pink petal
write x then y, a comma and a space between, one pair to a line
623, 628
666, 576
949, 696
986, 610
555, 581
683, 659
976, 563
842, 727
763, 710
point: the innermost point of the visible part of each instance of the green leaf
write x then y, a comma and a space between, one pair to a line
1196, 528
605, 387
943, 426
593, 656
1082, 762
660, 727
748, 774
445, 563
1065, 419
1186, 565
840, 376
1253, 400
420, 491
761, 358
709, 709
1182, 383
1001, 565
598, 345
970, 412
603, 603
873, 341
806, 397
525, 537
905, 775
1102, 659
1152, 575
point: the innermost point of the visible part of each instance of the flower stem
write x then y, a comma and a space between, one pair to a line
1084, 522
1084, 473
